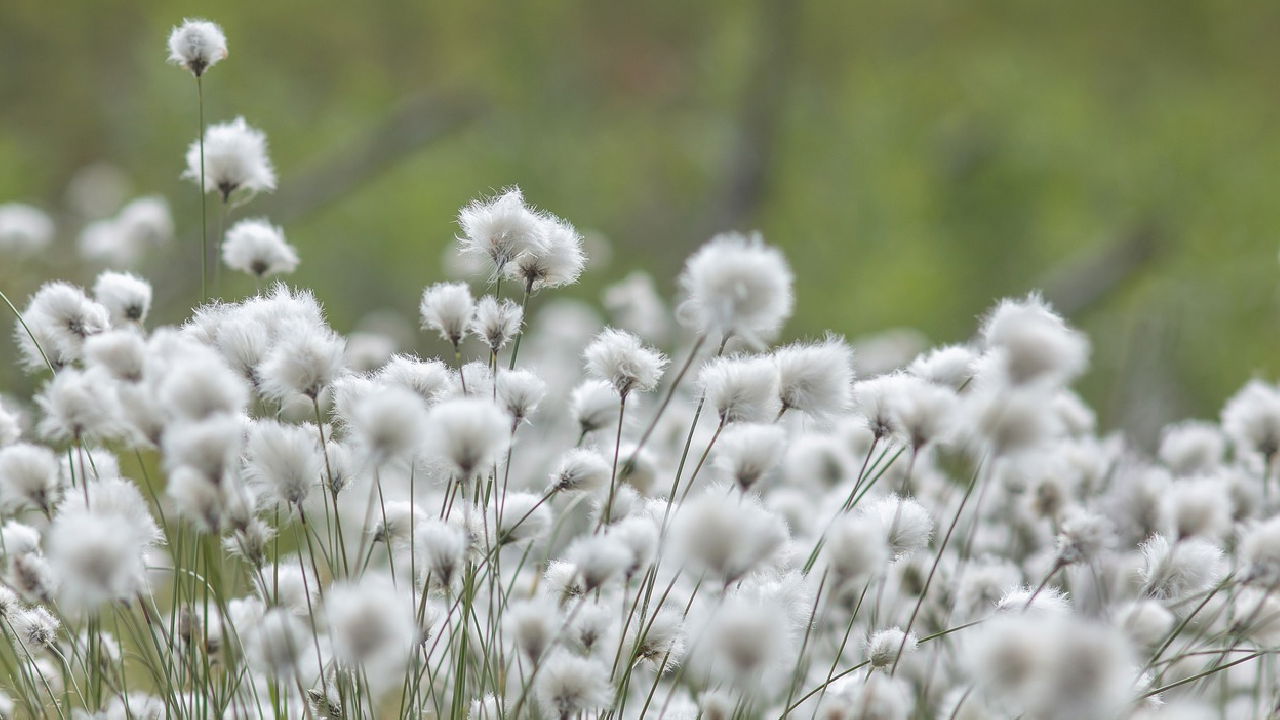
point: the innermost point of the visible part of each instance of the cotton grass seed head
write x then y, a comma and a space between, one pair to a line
619, 358
197, 45
736, 285
258, 248
235, 160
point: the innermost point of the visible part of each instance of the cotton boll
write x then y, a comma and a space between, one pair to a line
430, 379
469, 434
284, 461
1201, 508
727, 539
950, 366
209, 447
24, 230
569, 685
388, 424
982, 585
873, 400
119, 353
856, 550
200, 387
235, 160
580, 470
197, 45
442, 548
19, 539
97, 552
366, 352
818, 460
498, 229
10, 426
639, 470
276, 643
1050, 601
904, 524
28, 476
594, 405
146, 222
1145, 622
258, 248
1191, 447
60, 316
1259, 549
815, 378
126, 297
520, 392
532, 626
736, 285
619, 358
1035, 343
749, 451
1257, 616
883, 646
78, 405
741, 389
1074, 417
305, 360
748, 643
553, 258
1012, 421
371, 623
599, 559
922, 412
495, 322
1174, 571
447, 309
1083, 537
1251, 418
35, 628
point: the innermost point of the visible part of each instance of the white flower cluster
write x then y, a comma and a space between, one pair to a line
251, 516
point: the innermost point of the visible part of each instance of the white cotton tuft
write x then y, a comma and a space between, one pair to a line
857, 548
1201, 508
201, 386
126, 297
469, 434
599, 559
283, 461
10, 427
1083, 536
24, 230
495, 322
276, 643
97, 550
883, 646
619, 358
28, 477
371, 624
520, 392
904, 523
1251, 418
569, 685
553, 258
1259, 549
749, 451
258, 248
387, 424
119, 353
951, 366
525, 516
735, 285
1174, 571
197, 45
741, 389
1034, 342
498, 229
594, 405
306, 360
815, 378
447, 309
60, 317
580, 470
1145, 622
1191, 447
532, 625
235, 160
634, 305
727, 538
442, 548
922, 411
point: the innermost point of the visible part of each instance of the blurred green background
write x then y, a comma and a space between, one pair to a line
916, 160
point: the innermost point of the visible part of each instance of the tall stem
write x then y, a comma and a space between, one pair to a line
204, 221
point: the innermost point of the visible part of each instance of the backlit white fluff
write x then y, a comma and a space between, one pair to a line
275, 645
619, 358
306, 360
923, 412
28, 476
441, 548
60, 316
257, 247
815, 378
580, 470
387, 424
736, 285
594, 405
496, 322
905, 524
950, 365
748, 451
1251, 418
24, 230
520, 393
468, 434
197, 45
78, 404
727, 538
741, 389
569, 685
553, 259
1259, 548
10, 427
447, 309
283, 460
497, 230
1034, 342
120, 353
1173, 571
634, 305
1192, 446
126, 297
371, 624
235, 160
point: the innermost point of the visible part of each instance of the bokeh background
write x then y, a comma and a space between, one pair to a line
915, 160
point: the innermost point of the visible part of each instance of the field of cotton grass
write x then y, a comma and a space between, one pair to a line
251, 516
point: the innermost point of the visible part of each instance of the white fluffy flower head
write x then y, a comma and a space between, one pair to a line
197, 45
